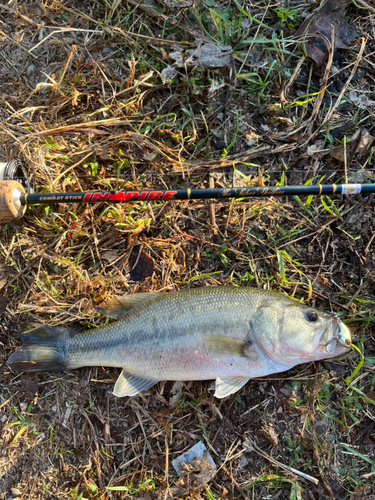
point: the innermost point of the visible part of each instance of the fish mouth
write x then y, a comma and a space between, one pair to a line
340, 335
345, 337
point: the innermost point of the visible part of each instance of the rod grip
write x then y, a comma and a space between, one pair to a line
10, 200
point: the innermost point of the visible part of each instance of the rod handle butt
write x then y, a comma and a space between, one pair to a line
10, 200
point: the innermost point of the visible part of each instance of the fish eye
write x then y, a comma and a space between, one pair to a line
311, 316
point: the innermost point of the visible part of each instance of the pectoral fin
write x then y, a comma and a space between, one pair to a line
228, 346
129, 385
228, 385
117, 306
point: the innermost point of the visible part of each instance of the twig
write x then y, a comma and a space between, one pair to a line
16, 13
251, 446
364, 285
217, 163
345, 161
72, 51
62, 30
361, 4
18, 45
323, 86
212, 205
338, 101
320, 295
9, 400
72, 167
367, 249
288, 86
314, 440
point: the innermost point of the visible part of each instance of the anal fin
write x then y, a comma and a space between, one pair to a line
225, 386
130, 385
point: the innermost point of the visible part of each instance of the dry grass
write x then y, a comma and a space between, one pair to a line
84, 104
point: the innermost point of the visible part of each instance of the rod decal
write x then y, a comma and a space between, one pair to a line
351, 188
129, 196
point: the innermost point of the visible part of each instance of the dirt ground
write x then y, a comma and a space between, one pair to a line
107, 96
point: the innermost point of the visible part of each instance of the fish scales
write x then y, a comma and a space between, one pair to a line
170, 332
229, 334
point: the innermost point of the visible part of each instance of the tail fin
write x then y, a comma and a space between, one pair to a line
43, 350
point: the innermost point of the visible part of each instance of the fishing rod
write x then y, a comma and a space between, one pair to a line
14, 197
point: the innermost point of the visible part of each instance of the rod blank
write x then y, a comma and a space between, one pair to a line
195, 194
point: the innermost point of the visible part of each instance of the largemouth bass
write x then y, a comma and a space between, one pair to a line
225, 333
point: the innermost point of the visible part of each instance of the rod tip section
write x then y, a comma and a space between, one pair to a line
10, 200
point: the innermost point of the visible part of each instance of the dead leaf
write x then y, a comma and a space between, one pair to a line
4, 280
360, 99
141, 265
176, 393
178, 4
209, 55
315, 149
268, 433
168, 73
29, 386
163, 417
319, 25
110, 256
197, 464
371, 395
3, 303
360, 143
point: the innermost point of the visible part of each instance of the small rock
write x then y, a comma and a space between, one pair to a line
321, 426
30, 69
110, 256
83, 382
39, 438
315, 149
168, 74
208, 55
16, 492
176, 392
286, 392
248, 445
197, 456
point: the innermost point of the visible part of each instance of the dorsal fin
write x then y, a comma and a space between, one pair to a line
118, 305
